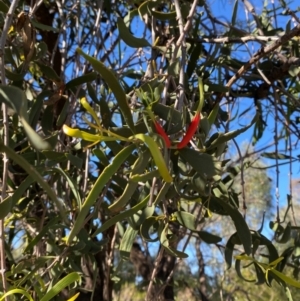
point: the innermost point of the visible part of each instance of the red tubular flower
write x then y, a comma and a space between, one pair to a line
190, 132
160, 131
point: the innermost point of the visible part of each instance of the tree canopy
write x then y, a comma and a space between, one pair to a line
148, 150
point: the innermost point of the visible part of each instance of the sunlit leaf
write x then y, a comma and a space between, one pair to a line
96, 190
113, 83
16, 291
60, 285
157, 156
126, 242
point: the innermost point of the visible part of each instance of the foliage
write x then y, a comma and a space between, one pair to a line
117, 117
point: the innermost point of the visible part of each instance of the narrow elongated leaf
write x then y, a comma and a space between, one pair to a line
209, 238
157, 156
122, 216
44, 27
138, 167
127, 241
128, 38
80, 80
96, 190
145, 177
277, 155
74, 297
114, 85
16, 291
87, 106
222, 138
213, 114
234, 13
76, 133
138, 218
42, 233
239, 272
229, 249
241, 226
71, 185
186, 219
203, 163
11, 201
164, 16
49, 72
88, 136
165, 242
16, 99
145, 228
3, 7
60, 285
36, 176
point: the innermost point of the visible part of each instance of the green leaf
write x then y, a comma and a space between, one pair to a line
209, 238
49, 72
43, 27
146, 227
165, 242
7, 204
163, 16
138, 167
146, 7
122, 216
16, 99
240, 224
96, 190
86, 78
203, 163
126, 242
114, 85
213, 114
221, 138
229, 249
128, 38
169, 114
33, 243
157, 156
278, 156
186, 219
139, 217
286, 235
71, 184
239, 273
60, 285
3, 7
16, 291
37, 177
234, 13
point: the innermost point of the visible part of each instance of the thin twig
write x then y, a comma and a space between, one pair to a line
7, 24
232, 40
156, 264
262, 52
277, 195
181, 43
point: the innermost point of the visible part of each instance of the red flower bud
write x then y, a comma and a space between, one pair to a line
160, 131
190, 132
